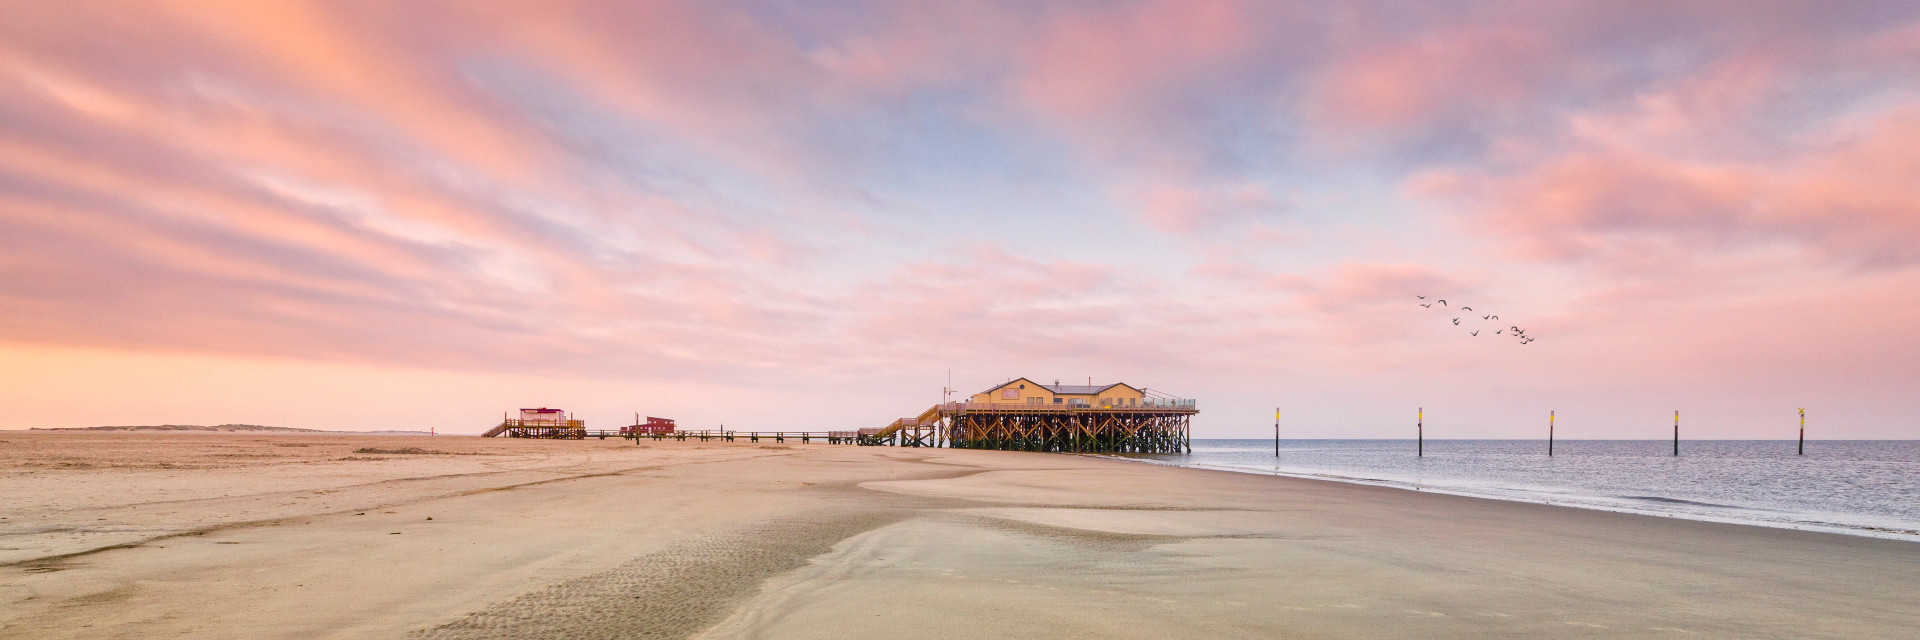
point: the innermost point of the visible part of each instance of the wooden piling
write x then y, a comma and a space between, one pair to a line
1074, 428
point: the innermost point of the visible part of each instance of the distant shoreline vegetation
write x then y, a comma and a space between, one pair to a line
221, 428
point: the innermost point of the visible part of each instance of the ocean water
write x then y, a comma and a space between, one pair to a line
1867, 487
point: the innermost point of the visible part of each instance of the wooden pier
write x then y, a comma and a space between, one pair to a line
1017, 415
958, 425
1147, 428
802, 437
555, 429
577, 430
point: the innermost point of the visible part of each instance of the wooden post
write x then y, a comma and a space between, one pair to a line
1420, 434
1803, 432
1676, 433
1549, 434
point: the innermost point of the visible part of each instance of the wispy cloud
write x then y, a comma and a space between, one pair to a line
1235, 196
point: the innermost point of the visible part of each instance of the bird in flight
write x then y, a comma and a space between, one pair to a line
1513, 330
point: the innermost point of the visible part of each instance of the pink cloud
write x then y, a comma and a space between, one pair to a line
698, 194
1397, 83
1353, 286
1187, 210
1844, 200
1090, 63
997, 302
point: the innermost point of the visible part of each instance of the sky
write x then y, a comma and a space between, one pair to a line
365, 215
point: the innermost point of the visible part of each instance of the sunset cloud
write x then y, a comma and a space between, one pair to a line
1237, 198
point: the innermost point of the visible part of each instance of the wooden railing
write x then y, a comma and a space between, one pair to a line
1180, 405
557, 424
570, 426
704, 435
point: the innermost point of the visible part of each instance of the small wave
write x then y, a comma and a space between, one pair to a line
1666, 500
1727, 513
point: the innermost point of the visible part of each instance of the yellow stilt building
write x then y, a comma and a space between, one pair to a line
1023, 415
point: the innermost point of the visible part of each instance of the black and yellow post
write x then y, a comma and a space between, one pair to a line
1549, 434
1276, 432
1676, 433
1803, 432
1420, 433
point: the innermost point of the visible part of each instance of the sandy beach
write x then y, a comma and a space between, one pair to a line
243, 536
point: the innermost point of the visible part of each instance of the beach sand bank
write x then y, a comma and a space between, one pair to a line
212, 536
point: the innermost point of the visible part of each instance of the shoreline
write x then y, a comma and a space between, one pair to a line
1867, 531
1851, 491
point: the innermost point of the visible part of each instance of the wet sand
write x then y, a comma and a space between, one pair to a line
235, 536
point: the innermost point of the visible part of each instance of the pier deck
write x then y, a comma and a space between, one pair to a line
1148, 428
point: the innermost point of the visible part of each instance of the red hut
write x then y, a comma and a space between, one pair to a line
651, 426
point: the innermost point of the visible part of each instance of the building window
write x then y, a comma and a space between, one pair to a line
1056, 401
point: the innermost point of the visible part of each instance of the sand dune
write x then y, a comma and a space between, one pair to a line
302, 536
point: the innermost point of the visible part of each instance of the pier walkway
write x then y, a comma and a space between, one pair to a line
1160, 426
565, 433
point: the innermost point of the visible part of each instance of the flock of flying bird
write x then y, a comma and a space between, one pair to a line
1513, 330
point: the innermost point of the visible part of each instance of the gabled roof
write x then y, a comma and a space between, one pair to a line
1009, 383
1075, 389
1063, 389
1085, 391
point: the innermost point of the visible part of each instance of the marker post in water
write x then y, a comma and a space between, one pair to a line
1803, 432
1276, 432
1549, 434
1420, 433
1676, 433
